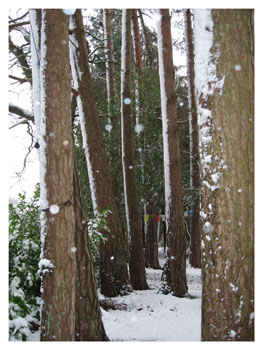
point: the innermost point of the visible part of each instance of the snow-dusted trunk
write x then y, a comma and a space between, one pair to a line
136, 258
58, 261
88, 322
175, 269
225, 93
114, 273
138, 65
195, 249
35, 40
110, 65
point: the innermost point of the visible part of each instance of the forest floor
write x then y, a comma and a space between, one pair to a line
149, 315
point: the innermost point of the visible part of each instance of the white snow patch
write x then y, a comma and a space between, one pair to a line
153, 316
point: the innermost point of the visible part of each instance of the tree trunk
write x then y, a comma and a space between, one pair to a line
226, 118
136, 257
58, 261
151, 243
114, 273
110, 65
88, 322
175, 265
149, 56
195, 249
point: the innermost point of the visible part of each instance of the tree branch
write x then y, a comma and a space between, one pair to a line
28, 115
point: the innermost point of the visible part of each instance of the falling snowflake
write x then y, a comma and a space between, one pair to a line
54, 209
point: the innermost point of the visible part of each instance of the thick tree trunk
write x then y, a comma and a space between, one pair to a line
151, 243
195, 249
226, 118
114, 273
58, 261
175, 265
136, 258
88, 323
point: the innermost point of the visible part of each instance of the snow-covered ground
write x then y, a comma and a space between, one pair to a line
149, 315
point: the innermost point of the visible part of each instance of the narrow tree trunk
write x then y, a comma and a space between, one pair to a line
149, 56
114, 274
58, 261
110, 65
226, 118
195, 249
136, 258
175, 265
151, 243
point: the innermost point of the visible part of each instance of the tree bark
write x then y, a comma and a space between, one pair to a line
175, 266
59, 279
151, 243
226, 117
195, 229
136, 255
88, 322
114, 273
110, 65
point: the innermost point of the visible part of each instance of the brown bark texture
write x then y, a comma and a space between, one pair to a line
59, 283
88, 322
195, 248
228, 253
110, 66
114, 273
151, 243
136, 255
175, 265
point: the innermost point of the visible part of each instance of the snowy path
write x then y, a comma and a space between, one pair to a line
152, 316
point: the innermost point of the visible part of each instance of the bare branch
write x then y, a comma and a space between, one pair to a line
15, 25
28, 115
21, 80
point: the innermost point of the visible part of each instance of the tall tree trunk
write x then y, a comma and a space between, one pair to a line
136, 255
68, 283
88, 323
195, 249
110, 65
58, 261
226, 119
175, 265
151, 243
114, 273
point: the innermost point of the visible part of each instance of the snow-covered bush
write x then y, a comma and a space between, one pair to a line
24, 281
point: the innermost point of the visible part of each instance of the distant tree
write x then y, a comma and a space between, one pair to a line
195, 228
225, 92
151, 243
114, 273
110, 65
175, 265
136, 255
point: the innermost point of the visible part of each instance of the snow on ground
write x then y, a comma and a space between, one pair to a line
153, 316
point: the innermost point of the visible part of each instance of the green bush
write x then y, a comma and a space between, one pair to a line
24, 281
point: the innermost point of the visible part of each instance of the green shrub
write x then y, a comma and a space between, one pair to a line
24, 281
